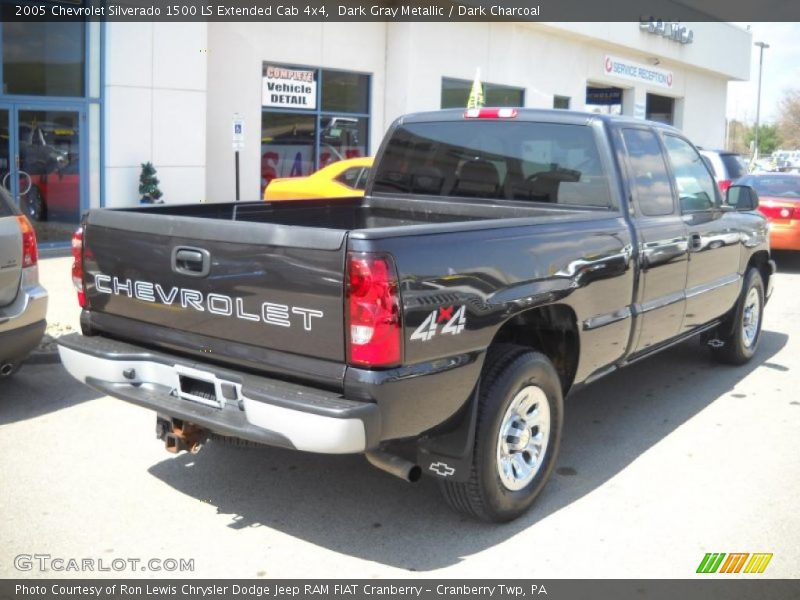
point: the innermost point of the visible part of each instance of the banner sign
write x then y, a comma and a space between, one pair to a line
633, 71
399, 589
297, 160
606, 96
288, 88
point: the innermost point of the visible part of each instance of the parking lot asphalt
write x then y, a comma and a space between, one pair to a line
661, 463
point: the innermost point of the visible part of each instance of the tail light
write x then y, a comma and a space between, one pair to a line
490, 113
373, 304
77, 266
796, 213
30, 254
724, 184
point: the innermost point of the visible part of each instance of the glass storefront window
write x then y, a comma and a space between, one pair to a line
287, 145
50, 148
342, 137
660, 109
310, 119
345, 92
561, 102
49, 152
455, 93
43, 59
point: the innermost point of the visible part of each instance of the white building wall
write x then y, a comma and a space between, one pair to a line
703, 113
547, 61
719, 48
155, 109
172, 89
236, 54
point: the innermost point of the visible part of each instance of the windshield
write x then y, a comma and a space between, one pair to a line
780, 187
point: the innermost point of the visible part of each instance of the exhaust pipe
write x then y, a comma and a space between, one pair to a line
6, 369
394, 465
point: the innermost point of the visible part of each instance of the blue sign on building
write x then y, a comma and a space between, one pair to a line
605, 96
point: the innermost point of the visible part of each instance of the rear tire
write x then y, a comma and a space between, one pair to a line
744, 328
518, 433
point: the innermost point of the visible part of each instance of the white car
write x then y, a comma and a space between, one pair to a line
725, 166
23, 301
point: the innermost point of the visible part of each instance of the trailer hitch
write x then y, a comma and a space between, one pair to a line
178, 435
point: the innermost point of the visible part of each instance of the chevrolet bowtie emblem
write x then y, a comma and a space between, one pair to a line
442, 469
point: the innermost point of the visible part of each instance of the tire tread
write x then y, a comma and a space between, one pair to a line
465, 497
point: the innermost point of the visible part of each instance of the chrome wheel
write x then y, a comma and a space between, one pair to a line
751, 318
524, 433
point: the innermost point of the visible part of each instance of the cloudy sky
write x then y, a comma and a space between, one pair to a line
781, 71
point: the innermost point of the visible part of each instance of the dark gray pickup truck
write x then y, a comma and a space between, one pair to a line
500, 259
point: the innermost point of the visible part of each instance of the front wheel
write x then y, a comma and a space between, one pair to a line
520, 415
744, 329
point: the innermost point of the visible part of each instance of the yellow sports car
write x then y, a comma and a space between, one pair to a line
342, 179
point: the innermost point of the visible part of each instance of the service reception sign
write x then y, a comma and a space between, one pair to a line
633, 71
288, 88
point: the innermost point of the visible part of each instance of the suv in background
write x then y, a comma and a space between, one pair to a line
726, 166
23, 302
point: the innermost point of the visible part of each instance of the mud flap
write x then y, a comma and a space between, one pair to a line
448, 454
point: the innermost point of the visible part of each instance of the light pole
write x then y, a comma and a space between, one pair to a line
761, 45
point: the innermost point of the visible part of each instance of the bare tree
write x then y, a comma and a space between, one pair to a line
789, 121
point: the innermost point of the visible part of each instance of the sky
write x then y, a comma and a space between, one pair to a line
781, 72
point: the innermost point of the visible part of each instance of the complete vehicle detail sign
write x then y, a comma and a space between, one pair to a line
633, 71
288, 88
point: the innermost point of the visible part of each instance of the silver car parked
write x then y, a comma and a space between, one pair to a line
23, 301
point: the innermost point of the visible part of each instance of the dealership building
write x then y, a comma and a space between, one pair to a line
84, 104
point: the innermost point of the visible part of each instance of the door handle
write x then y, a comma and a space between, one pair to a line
695, 242
195, 262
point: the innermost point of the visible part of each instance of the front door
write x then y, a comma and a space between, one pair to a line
713, 281
40, 158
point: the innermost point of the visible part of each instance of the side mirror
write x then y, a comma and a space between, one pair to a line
742, 197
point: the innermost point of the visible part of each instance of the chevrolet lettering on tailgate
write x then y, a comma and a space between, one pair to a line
271, 313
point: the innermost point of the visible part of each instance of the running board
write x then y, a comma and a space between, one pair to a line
669, 343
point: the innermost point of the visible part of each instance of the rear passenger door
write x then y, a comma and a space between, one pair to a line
713, 280
662, 240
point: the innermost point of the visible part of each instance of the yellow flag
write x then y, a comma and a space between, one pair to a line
476, 99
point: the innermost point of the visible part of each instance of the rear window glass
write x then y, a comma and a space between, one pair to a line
734, 164
496, 160
6, 204
781, 186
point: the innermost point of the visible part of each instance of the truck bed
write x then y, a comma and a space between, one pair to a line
357, 213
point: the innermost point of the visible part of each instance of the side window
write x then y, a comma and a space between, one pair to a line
696, 187
349, 177
361, 183
649, 178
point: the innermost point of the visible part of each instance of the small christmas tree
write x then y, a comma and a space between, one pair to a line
148, 185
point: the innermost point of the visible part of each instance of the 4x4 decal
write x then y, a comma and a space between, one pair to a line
454, 323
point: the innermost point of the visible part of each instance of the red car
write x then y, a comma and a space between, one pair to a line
779, 201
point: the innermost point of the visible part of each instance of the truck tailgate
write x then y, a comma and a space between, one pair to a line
272, 286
